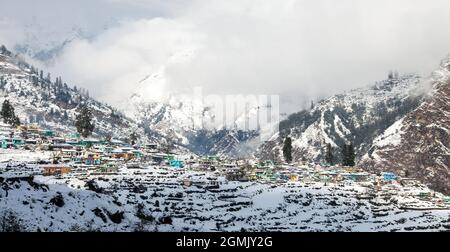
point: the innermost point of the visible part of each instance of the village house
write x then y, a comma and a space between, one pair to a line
105, 169
90, 142
208, 163
158, 158
176, 163
55, 169
6, 143
389, 176
11, 142
5, 129
47, 133
266, 164
122, 153
92, 157
73, 142
107, 150
70, 155
151, 148
137, 153
60, 146
32, 141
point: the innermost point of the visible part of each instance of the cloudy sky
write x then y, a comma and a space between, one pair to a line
300, 50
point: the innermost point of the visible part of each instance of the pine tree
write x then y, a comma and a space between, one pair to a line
133, 138
15, 121
8, 114
2, 82
65, 116
351, 155
287, 149
391, 75
329, 154
5, 112
84, 121
348, 155
2, 49
344, 155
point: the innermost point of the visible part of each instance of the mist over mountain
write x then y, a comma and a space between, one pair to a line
417, 145
51, 103
281, 48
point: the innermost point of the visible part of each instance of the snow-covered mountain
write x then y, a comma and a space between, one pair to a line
44, 43
181, 123
175, 122
39, 99
358, 116
185, 120
46, 51
418, 145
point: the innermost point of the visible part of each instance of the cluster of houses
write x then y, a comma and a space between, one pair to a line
72, 154
268, 171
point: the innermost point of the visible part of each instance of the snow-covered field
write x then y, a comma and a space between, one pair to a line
154, 199
7, 155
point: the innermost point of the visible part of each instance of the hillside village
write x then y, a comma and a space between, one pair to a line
57, 182
71, 155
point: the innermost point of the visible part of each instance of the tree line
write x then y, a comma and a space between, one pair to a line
347, 153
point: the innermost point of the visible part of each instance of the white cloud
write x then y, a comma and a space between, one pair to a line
294, 48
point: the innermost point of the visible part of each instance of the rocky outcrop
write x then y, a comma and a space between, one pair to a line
419, 146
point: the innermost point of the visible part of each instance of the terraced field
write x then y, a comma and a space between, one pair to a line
154, 199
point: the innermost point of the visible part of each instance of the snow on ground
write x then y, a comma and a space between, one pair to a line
392, 136
154, 199
7, 155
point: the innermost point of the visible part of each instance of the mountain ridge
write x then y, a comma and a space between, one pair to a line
357, 116
418, 145
54, 104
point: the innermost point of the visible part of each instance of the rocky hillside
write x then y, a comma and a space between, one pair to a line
358, 116
37, 98
187, 122
418, 145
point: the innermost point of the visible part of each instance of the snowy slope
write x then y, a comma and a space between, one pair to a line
357, 116
418, 145
37, 99
182, 119
153, 199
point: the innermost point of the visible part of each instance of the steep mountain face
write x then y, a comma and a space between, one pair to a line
184, 121
46, 52
357, 117
181, 123
53, 104
418, 145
